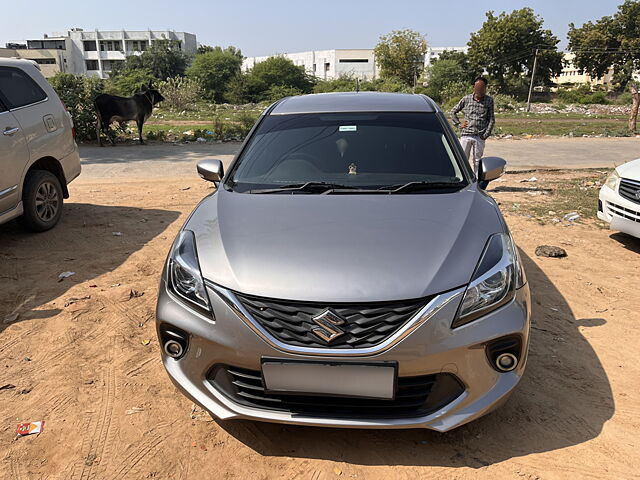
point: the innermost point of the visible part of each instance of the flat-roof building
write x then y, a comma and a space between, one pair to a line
330, 64
95, 52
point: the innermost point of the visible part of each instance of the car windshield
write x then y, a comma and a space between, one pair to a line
348, 152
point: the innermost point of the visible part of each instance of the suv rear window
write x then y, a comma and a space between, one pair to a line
364, 150
18, 89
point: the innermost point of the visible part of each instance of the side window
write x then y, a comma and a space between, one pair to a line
2, 107
18, 89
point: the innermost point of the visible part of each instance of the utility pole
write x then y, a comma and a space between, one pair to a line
357, 84
533, 74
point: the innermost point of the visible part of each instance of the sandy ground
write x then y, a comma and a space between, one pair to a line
82, 355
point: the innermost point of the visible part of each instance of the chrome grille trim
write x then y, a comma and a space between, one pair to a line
421, 317
619, 211
628, 189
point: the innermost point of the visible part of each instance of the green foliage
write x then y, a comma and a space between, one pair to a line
610, 41
344, 83
624, 98
400, 55
180, 93
440, 75
505, 45
583, 95
452, 94
347, 83
502, 102
214, 69
276, 92
276, 71
163, 59
129, 82
78, 92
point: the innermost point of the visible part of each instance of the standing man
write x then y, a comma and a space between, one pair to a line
478, 122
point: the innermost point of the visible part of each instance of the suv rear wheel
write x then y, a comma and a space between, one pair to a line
42, 199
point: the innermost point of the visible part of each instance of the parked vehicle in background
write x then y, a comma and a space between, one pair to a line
348, 272
619, 200
38, 153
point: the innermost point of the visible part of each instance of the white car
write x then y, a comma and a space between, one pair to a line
38, 154
619, 202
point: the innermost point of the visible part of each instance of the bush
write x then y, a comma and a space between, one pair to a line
502, 102
624, 98
78, 92
276, 92
583, 95
215, 69
180, 93
129, 82
246, 121
452, 93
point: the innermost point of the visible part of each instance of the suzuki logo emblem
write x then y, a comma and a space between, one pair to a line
638, 195
327, 323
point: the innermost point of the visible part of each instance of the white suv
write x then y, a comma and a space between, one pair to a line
38, 154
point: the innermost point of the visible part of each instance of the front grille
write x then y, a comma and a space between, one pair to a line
620, 211
365, 325
415, 396
629, 189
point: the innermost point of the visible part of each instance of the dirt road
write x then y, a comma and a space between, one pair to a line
157, 159
82, 355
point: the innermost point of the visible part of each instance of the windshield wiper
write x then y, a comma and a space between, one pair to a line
323, 187
421, 186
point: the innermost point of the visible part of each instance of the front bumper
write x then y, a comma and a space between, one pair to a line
432, 348
621, 214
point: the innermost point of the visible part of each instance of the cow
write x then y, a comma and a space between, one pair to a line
111, 108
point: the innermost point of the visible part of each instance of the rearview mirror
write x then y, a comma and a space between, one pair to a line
211, 169
491, 168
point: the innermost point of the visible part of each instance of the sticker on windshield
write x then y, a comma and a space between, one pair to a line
348, 128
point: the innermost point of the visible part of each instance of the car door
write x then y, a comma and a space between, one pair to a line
14, 155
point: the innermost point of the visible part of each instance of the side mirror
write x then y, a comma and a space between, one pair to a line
211, 169
491, 168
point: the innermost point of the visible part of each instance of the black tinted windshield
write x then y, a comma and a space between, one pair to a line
363, 150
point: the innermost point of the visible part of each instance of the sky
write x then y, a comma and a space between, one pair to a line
267, 27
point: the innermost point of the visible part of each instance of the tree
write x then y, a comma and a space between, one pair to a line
400, 54
611, 42
163, 59
275, 71
231, 49
130, 81
469, 72
443, 73
214, 70
505, 46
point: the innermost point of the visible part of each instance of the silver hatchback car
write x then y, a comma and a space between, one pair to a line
347, 272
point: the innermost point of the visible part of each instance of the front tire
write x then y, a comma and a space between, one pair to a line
42, 198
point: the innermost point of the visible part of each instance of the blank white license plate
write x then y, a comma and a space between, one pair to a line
340, 379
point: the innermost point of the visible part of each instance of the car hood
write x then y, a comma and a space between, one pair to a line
342, 248
630, 170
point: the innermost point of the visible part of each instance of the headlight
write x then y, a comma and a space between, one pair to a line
612, 180
497, 276
185, 278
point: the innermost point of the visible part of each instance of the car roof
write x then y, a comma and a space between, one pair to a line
15, 62
354, 102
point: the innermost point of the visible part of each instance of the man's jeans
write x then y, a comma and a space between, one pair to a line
473, 147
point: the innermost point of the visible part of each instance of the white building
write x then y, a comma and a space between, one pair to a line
331, 64
572, 75
328, 64
433, 53
96, 52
